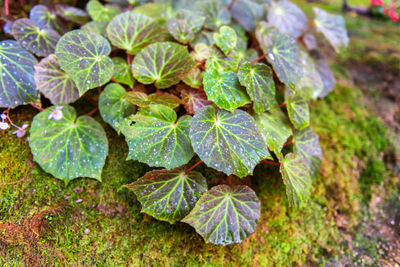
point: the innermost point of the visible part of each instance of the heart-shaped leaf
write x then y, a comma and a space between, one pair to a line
122, 71
17, 86
71, 13
310, 85
333, 27
169, 195
298, 110
96, 27
225, 39
163, 64
224, 89
157, 137
143, 100
180, 30
41, 42
228, 142
225, 215
194, 100
247, 13
132, 31
274, 128
221, 63
84, 56
287, 17
283, 54
215, 12
307, 145
68, 147
296, 179
54, 83
259, 82
113, 105
46, 18
98, 12
194, 78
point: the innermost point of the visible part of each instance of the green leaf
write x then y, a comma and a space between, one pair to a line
201, 52
228, 142
98, 12
70, 147
225, 215
310, 85
54, 83
247, 13
71, 13
283, 54
298, 110
226, 39
221, 63
259, 82
215, 12
41, 42
203, 37
84, 56
193, 18
46, 19
333, 27
194, 78
99, 27
122, 72
157, 11
194, 100
296, 179
287, 17
163, 64
307, 146
224, 89
157, 137
274, 128
169, 195
17, 86
132, 31
325, 72
113, 105
185, 25
143, 100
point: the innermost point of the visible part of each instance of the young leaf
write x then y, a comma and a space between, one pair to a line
84, 56
201, 52
71, 13
307, 146
247, 13
259, 82
185, 25
296, 179
274, 128
193, 18
194, 100
98, 12
54, 83
122, 72
69, 147
224, 89
46, 19
226, 39
143, 100
194, 78
298, 110
228, 142
310, 85
287, 17
41, 42
333, 27
157, 137
17, 86
96, 27
169, 195
113, 105
283, 54
225, 215
222, 63
215, 12
132, 31
164, 64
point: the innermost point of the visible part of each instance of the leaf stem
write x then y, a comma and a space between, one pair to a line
271, 162
282, 105
194, 166
93, 111
36, 106
129, 59
258, 59
229, 180
289, 142
114, 80
6, 10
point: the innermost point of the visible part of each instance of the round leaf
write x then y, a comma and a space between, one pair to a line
296, 179
194, 100
70, 147
259, 82
169, 195
54, 83
41, 42
283, 54
113, 105
287, 17
221, 63
96, 27
224, 89
17, 86
157, 138
226, 39
307, 145
143, 100
180, 30
225, 215
122, 71
194, 78
84, 56
46, 19
310, 85
98, 12
298, 110
71, 13
228, 142
215, 12
132, 31
246, 13
163, 64
325, 72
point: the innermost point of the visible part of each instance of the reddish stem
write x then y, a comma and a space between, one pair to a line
271, 162
229, 180
231, 5
129, 59
289, 142
282, 105
90, 113
194, 166
6, 10
36, 106
114, 80
258, 59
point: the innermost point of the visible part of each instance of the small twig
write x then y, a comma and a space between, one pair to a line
271, 162
194, 166
36, 106
90, 113
258, 59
